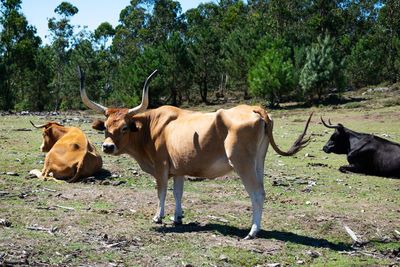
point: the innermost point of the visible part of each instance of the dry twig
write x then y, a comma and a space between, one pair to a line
50, 230
351, 233
63, 207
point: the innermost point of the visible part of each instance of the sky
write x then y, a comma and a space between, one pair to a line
91, 12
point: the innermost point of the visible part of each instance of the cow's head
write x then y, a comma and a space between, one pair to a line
51, 133
339, 141
119, 123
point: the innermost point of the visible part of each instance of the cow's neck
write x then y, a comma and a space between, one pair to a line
141, 146
354, 138
59, 132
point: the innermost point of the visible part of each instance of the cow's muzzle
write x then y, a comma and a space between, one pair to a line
109, 148
326, 149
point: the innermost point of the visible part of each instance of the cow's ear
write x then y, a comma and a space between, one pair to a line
135, 126
98, 125
341, 127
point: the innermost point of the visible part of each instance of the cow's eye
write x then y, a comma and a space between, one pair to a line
124, 129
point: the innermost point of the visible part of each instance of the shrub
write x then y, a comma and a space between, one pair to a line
354, 105
392, 102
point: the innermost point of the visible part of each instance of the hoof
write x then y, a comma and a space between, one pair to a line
345, 169
157, 219
249, 237
176, 222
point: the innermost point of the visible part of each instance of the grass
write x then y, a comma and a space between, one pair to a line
304, 214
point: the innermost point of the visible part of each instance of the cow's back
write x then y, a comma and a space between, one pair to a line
200, 144
386, 157
71, 150
92, 160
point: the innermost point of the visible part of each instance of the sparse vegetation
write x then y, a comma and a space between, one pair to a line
353, 105
392, 102
308, 203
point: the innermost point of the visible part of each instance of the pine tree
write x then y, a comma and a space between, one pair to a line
322, 70
273, 74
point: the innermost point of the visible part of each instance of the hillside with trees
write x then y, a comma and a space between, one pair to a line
272, 51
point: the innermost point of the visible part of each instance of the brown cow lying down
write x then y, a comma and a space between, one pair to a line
70, 156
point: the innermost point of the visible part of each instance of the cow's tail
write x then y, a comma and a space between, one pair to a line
298, 144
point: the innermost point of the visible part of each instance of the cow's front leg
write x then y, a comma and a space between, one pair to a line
178, 192
162, 183
349, 168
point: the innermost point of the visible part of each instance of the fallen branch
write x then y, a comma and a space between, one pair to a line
351, 233
45, 208
119, 244
7, 263
397, 232
49, 190
37, 228
63, 207
21, 195
370, 254
218, 219
348, 252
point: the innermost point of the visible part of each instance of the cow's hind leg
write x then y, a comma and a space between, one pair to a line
44, 175
37, 173
178, 192
255, 187
77, 173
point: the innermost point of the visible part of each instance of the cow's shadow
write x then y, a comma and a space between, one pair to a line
232, 231
100, 175
343, 170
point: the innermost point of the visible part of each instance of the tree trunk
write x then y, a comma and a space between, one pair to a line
203, 91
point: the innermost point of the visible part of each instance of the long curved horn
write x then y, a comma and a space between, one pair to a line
37, 127
145, 97
96, 107
329, 126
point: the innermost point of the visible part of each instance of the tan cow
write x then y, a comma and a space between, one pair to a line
172, 142
70, 156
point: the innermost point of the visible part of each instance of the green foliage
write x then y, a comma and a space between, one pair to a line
132, 77
18, 47
238, 57
66, 9
239, 39
61, 33
205, 44
208, 51
396, 45
272, 76
300, 56
177, 68
364, 64
103, 33
165, 20
322, 70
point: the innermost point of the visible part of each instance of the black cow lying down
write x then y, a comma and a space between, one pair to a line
366, 153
